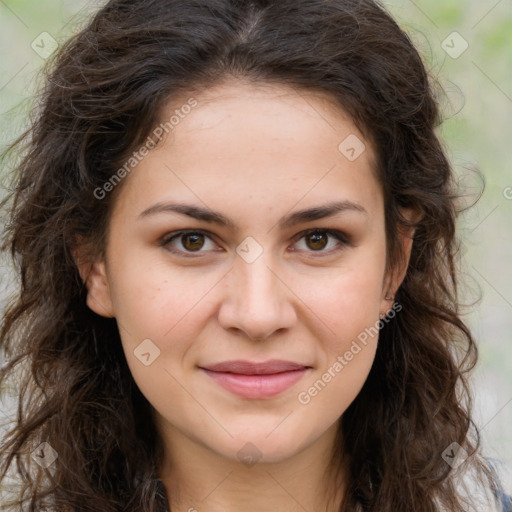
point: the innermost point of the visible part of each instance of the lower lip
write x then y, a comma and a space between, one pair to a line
256, 386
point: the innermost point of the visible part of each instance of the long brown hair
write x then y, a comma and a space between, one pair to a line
103, 94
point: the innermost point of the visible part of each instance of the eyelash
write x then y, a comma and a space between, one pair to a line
338, 235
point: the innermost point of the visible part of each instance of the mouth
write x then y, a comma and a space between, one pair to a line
256, 380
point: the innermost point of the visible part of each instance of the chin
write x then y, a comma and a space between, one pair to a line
262, 448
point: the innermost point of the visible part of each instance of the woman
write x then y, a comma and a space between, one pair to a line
235, 230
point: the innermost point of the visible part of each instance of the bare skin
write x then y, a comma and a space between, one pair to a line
254, 154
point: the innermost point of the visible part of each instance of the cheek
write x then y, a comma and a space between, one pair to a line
167, 307
153, 299
349, 309
348, 299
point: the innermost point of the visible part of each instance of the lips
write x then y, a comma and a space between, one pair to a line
249, 368
256, 381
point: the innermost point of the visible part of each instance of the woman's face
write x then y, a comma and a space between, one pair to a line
253, 169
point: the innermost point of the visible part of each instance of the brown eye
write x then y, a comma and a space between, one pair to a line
188, 242
192, 241
318, 241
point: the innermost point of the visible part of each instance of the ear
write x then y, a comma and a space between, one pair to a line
395, 277
93, 273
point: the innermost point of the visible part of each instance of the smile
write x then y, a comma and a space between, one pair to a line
256, 386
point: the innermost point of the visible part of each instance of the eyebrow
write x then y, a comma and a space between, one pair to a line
288, 221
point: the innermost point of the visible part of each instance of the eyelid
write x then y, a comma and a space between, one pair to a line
336, 233
343, 239
169, 237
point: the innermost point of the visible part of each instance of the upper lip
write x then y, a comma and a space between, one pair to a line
252, 368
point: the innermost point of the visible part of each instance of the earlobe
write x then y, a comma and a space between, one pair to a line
94, 276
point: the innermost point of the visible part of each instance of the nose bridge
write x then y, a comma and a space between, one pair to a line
256, 281
258, 303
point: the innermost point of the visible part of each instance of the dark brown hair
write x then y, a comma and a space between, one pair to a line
103, 94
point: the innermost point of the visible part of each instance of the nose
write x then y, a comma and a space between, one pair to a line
258, 300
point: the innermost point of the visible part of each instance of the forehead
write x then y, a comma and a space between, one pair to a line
282, 112
257, 141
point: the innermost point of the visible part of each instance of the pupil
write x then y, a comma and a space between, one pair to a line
315, 237
197, 242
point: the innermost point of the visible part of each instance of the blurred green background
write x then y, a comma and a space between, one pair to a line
477, 81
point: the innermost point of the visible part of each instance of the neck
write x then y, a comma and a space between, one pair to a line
197, 479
